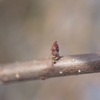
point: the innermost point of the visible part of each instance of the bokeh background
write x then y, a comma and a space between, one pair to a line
27, 30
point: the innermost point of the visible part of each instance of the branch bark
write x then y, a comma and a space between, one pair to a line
44, 68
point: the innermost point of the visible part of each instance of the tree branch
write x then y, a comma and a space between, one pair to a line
45, 68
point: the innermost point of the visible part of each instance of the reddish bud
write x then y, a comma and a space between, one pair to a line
55, 49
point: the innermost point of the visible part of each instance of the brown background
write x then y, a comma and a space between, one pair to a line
27, 30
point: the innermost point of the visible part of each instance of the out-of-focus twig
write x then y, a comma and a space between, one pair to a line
44, 68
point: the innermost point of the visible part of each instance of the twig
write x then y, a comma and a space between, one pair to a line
44, 68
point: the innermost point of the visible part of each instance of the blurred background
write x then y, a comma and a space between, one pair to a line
27, 30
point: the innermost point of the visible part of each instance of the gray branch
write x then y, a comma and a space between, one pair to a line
44, 68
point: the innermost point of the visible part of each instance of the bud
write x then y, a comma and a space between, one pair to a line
55, 50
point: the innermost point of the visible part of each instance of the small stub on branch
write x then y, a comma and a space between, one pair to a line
43, 78
61, 72
79, 71
17, 76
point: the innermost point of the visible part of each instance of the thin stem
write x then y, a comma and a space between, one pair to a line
44, 68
